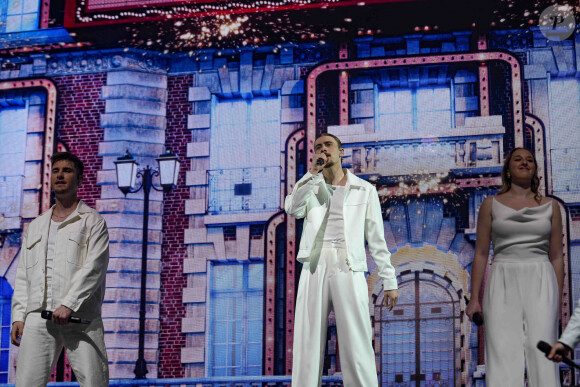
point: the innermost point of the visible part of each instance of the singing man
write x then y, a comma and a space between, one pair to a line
341, 212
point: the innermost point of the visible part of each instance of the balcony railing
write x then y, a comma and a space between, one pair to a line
474, 147
244, 190
433, 155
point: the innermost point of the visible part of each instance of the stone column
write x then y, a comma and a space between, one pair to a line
134, 120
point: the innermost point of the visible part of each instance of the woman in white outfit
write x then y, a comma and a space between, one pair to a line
524, 285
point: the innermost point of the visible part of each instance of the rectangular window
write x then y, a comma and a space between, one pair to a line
236, 297
565, 144
230, 233
425, 111
5, 303
256, 231
245, 133
244, 155
433, 109
466, 96
13, 125
20, 15
396, 111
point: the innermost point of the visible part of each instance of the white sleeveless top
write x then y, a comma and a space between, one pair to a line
523, 234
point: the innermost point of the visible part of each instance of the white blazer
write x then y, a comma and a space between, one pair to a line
571, 335
81, 257
363, 220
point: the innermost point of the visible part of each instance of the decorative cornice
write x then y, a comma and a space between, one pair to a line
101, 61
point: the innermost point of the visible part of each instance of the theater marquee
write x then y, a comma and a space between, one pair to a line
85, 13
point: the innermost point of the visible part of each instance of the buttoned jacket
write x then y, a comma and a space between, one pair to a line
81, 257
363, 220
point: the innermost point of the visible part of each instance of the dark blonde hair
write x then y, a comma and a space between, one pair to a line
507, 181
338, 142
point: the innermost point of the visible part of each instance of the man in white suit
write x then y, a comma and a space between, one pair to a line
62, 268
340, 212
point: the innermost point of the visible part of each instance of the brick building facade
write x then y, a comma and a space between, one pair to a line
240, 123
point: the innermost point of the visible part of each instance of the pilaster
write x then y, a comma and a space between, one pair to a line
134, 120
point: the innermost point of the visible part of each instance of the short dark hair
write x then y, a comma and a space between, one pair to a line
60, 156
338, 142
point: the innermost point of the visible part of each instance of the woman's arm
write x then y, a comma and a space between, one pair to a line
556, 254
483, 239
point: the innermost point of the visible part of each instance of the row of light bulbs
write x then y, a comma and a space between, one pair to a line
177, 10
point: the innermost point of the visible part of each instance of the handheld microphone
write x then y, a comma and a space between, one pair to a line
47, 315
546, 348
477, 318
320, 162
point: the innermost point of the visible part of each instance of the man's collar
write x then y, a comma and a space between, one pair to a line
82, 208
352, 181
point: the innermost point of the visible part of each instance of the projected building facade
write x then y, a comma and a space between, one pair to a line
428, 118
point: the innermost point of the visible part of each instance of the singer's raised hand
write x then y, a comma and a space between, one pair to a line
316, 165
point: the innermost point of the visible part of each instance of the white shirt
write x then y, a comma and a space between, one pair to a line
334, 231
49, 261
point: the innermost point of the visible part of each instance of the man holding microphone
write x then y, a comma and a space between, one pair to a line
341, 212
62, 268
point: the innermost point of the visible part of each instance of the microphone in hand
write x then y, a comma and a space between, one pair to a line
546, 348
477, 318
320, 162
47, 315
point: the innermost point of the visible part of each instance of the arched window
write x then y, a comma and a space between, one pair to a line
419, 341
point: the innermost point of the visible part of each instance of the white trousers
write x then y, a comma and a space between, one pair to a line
520, 308
42, 342
331, 285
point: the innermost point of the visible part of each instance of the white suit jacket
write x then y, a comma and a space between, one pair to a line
363, 220
571, 335
81, 257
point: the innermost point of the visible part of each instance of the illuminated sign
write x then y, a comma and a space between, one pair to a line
84, 13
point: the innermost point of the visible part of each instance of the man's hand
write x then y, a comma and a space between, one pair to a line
391, 298
315, 168
16, 334
557, 351
61, 315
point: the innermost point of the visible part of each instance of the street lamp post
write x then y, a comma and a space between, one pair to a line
127, 173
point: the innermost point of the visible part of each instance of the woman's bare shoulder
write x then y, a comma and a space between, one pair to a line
546, 200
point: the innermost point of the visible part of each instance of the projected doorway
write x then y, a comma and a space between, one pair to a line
419, 341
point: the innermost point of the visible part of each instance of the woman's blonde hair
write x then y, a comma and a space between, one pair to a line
507, 181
